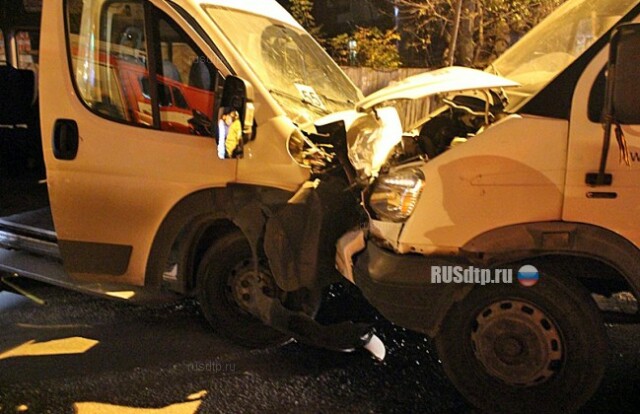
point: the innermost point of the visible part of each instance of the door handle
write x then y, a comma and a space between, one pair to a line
65, 139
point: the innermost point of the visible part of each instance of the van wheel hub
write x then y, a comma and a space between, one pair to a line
517, 343
244, 284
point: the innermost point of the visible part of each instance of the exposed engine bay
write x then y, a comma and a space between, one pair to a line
466, 101
347, 158
458, 118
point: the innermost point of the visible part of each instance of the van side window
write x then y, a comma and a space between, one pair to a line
111, 58
185, 82
108, 54
3, 52
28, 46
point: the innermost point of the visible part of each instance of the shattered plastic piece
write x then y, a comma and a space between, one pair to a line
376, 347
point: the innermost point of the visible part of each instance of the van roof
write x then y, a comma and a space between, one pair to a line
268, 8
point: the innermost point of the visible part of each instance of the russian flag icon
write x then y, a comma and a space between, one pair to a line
528, 275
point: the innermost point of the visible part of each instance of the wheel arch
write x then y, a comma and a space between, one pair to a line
600, 255
197, 221
513, 354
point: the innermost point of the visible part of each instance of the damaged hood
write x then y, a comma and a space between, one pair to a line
381, 132
450, 79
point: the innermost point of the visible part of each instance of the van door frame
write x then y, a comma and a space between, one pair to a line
86, 239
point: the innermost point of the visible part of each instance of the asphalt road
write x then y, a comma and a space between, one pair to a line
87, 355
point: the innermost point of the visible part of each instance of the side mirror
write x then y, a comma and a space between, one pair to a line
625, 77
238, 94
622, 95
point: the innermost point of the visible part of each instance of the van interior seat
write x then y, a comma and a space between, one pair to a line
200, 75
170, 71
18, 89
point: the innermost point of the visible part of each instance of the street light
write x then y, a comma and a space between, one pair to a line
352, 45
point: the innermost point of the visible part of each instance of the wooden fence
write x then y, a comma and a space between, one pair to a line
370, 80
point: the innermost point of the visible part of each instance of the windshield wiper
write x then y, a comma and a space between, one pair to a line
299, 99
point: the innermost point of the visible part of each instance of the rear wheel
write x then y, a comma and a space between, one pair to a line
511, 348
227, 283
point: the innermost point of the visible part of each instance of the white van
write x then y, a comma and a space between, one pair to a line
495, 219
125, 121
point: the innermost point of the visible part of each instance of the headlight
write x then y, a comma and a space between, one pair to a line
377, 135
295, 145
395, 195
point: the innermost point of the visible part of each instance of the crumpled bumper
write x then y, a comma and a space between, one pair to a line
399, 285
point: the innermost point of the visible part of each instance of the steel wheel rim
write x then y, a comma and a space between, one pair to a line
243, 282
517, 343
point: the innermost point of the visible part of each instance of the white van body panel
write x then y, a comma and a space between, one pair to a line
266, 161
498, 178
269, 9
582, 203
150, 171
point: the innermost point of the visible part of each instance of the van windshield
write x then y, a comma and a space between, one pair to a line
554, 44
298, 73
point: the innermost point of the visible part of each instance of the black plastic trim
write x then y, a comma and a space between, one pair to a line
152, 36
51, 271
524, 241
200, 204
66, 139
197, 211
400, 287
95, 258
593, 179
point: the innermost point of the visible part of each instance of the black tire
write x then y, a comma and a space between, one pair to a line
516, 349
215, 275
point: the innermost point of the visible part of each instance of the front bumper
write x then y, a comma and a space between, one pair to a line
400, 287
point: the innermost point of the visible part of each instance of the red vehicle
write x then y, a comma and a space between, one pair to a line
182, 106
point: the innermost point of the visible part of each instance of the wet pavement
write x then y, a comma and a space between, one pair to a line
85, 355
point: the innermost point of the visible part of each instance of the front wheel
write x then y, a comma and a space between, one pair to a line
226, 281
511, 348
